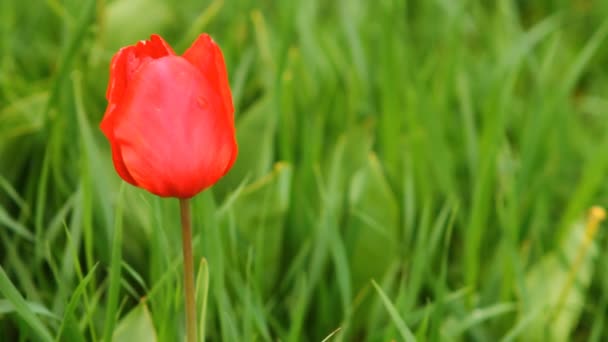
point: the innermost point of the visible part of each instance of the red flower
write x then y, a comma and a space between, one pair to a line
170, 118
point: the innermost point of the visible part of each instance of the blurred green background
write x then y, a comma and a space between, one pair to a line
448, 150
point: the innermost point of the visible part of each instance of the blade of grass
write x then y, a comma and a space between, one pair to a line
8, 289
583, 58
331, 334
480, 315
69, 53
115, 271
7, 307
16, 227
202, 291
403, 329
73, 302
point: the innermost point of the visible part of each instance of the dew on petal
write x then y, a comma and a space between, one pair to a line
202, 102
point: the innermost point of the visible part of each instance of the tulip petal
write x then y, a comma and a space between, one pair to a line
108, 131
129, 59
175, 137
120, 166
124, 65
206, 56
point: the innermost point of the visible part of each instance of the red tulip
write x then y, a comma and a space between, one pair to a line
170, 118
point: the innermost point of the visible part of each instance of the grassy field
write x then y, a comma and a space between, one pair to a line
408, 170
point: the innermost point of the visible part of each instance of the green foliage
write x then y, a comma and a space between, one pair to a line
408, 170
135, 326
559, 307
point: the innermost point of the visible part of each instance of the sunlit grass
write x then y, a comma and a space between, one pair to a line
407, 170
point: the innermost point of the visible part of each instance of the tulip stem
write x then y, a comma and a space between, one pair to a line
186, 218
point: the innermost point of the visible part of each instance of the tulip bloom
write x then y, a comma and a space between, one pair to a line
170, 118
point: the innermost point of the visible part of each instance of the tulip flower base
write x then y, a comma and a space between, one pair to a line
169, 118
170, 125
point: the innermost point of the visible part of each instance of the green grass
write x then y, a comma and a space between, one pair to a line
408, 170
